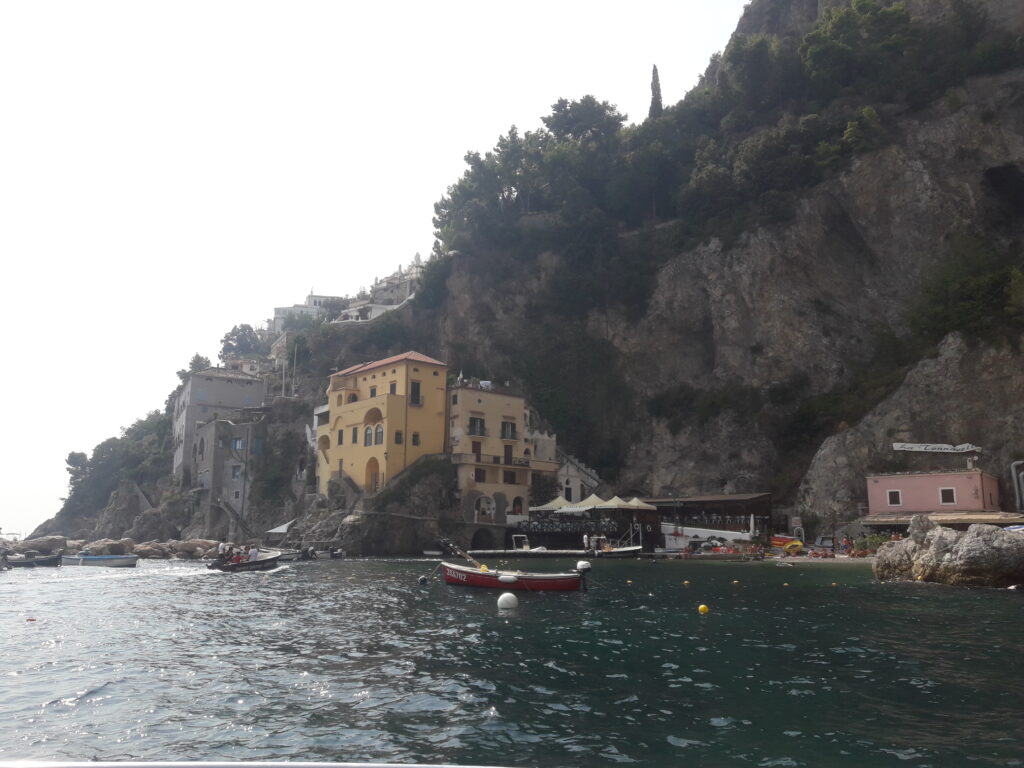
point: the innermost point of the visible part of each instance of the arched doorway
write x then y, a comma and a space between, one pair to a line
482, 539
372, 480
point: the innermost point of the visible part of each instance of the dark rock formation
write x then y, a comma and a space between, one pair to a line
984, 555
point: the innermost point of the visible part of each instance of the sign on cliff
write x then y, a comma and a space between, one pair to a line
936, 447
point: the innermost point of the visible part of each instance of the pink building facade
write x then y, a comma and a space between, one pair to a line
967, 490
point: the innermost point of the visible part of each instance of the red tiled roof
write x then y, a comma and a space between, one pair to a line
416, 357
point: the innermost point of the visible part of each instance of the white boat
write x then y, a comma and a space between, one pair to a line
679, 538
104, 561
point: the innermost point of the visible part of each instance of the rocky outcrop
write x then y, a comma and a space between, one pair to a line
966, 394
110, 547
983, 555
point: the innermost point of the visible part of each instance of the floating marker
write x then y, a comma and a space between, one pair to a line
735, 581
508, 600
686, 583
785, 583
702, 609
629, 581
834, 584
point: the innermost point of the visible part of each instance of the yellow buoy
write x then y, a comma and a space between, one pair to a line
686, 583
702, 609
785, 583
735, 581
834, 584
629, 581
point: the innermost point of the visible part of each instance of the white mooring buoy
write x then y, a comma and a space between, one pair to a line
508, 600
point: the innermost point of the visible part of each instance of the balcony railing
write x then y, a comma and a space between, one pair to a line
489, 459
477, 431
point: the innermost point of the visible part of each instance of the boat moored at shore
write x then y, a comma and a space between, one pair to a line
103, 561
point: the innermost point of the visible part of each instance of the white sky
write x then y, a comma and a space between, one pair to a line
171, 169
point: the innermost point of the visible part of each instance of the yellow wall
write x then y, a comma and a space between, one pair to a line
396, 412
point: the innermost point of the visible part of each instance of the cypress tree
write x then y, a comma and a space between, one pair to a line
656, 108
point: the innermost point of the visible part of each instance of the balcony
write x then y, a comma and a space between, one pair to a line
489, 459
476, 431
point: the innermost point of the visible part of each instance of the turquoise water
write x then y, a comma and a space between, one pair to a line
353, 660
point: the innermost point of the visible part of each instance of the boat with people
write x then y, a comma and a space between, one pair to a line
103, 561
266, 559
601, 547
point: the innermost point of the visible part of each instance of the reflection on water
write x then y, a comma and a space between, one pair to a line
353, 660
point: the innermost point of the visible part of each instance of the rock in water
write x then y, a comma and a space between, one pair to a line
983, 555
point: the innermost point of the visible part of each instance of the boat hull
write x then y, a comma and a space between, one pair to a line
619, 552
103, 561
511, 580
50, 561
262, 564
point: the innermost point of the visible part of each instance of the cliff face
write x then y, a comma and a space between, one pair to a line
807, 299
800, 304
965, 394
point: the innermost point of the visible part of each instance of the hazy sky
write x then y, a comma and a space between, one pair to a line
172, 169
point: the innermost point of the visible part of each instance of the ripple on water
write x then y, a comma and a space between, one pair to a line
350, 660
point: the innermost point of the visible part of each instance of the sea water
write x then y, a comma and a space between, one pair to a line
353, 660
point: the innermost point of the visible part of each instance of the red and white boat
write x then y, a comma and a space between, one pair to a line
469, 576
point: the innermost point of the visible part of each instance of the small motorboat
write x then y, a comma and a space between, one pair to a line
265, 561
29, 560
482, 576
104, 561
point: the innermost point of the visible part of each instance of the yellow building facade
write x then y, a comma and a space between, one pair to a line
495, 461
380, 417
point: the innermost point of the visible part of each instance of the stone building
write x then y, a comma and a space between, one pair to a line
207, 395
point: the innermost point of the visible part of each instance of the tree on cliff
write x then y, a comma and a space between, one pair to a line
240, 340
656, 107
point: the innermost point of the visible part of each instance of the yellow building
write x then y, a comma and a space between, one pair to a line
380, 417
494, 459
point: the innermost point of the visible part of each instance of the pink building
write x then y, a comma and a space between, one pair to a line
961, 496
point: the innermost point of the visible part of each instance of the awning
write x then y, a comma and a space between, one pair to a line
556, 503
613, 503
282, 528
635, 503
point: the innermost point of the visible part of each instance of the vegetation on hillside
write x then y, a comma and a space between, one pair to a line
143, 454
769, 118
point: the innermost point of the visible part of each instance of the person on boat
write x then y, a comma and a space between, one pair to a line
222, 551
586, 542
237, 557
254, 553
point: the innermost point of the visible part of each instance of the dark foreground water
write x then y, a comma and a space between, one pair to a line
352, 660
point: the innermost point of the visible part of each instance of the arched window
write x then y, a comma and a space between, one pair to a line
353, 397
368, 436
378, 435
